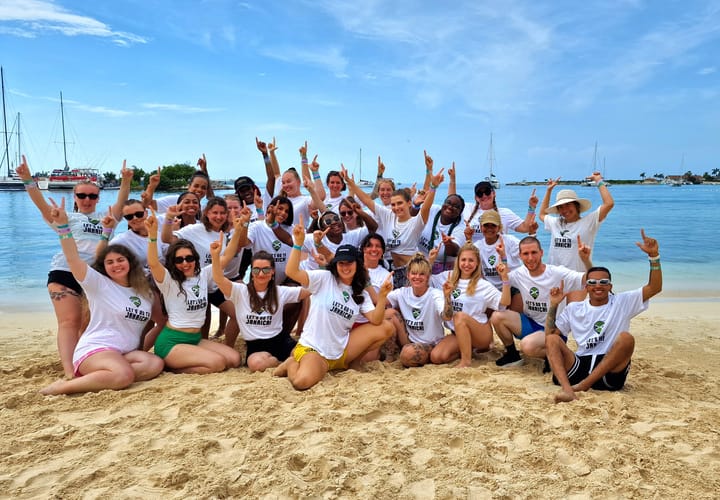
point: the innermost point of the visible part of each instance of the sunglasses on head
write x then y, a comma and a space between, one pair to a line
346, 213
179, 259
92, 196
257, 270
603, 281
135, 215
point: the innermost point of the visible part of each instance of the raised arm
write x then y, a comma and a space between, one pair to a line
278, 231
546, 199
313, 169
312, 187
167, 229
202, 165
240, 224
607, 200
126, 175
380, 173
274, 164
108, 223
452, 184
651, 248
377, 315
224, 284
156, 268
369, 221
78, 267
557, 295
269, 172
435, 181
528, 225
585, 253
147, 195
32, 190
292, 268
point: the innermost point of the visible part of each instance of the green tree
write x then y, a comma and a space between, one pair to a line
642, 176
716, 172
110, 177
175, 177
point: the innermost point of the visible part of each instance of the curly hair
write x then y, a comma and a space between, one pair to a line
136, 274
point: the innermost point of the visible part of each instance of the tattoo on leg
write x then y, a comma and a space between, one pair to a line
63, 293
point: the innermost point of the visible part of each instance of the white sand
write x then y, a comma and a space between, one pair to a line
387, 432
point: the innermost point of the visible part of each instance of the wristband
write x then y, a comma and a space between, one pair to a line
379, 176
600, 183
504, 261
531, 210
655, 267
64, 230
62, 226
274, 224
318, 245
152, 239
417, 207
304, 160
65, 236
266, 159
433, 187
107, 230
169, 221
297, 247
259, 211
316, 176
506, 283
104, 237
654, 259
28, 187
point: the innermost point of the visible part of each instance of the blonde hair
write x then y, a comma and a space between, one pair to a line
419, 264
476, 274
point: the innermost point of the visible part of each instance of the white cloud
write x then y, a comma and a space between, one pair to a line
708, 70
38, 17
330, 58
180, 108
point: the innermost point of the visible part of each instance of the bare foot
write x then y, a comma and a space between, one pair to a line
281, 369
53, 389
464, 364
565, 397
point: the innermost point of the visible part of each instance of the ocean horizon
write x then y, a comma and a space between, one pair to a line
681, 219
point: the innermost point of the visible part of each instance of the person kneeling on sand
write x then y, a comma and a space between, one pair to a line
600, 325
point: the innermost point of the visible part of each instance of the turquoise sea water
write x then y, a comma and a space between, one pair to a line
684, 220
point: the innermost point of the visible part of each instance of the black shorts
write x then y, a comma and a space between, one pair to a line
584, 365
280, 346
65, 278
216, 298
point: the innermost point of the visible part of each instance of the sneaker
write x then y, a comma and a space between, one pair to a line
510, 359
546, 366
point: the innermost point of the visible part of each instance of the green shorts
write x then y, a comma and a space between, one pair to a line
169, 338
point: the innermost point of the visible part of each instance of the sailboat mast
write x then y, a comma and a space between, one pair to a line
7, 139
19, 153
361, 164
491, 156
62, 119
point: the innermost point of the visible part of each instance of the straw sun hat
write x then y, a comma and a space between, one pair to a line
568, 196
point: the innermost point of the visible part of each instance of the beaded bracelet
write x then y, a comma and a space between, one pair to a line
316, 176
531, 210
104, 237
259, 211
433, 187
304, 160
152, 240
62, 226
30, 186
505, 283
655, 267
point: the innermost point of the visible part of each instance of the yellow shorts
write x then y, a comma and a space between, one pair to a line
333, 364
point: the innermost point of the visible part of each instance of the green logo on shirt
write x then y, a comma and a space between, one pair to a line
456, 293
534, 292
276, 245
196, 290
136, 301
598, 326
346, 296
492, 259
416, 313
395, 233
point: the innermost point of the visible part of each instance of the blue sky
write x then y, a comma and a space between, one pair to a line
160, 82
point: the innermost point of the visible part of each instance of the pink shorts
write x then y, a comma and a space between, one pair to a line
76, 366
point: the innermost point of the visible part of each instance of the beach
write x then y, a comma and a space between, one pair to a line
384, 431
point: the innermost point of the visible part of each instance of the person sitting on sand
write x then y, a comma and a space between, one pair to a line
330, 339
107, 355
534, 280
600, 325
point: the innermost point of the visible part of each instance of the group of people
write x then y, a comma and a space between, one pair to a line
325, 281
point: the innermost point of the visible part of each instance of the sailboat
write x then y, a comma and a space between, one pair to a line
66, 178
492, 179
9, 180
363, 182
590, 182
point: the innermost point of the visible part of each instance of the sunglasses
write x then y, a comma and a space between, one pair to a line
257, 270
92, 196
483, 192
603, 281
180, 259
331, 220
346, 214
136, 215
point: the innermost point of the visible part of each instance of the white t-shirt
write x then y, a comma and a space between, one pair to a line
86, 230
301, 205
400, 237
595, 328
563, 239
117, 316
485, 296
353, 237
489, 258
263, 238
332, 313
138, 245
442, 262
421, 314
535, 291
261, 325
510, 220
186, 310
333, 204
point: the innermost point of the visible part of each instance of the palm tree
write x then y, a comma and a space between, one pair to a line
642, 176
